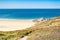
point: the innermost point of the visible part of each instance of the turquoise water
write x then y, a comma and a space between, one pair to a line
28, 13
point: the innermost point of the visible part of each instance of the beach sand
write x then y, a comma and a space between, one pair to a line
11, 25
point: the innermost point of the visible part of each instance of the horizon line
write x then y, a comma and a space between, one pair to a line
29, 8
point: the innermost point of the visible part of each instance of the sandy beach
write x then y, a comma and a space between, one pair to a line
10, 25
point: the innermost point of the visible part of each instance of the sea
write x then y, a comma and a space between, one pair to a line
28, 13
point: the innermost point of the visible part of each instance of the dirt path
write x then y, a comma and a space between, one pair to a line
24, 38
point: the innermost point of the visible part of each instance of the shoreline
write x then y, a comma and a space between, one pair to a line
15, 24
14, 19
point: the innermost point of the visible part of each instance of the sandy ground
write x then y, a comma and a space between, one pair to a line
25, 38
10, 25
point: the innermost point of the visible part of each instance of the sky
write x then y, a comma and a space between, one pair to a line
16, 4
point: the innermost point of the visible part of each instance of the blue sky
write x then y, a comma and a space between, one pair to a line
29, 4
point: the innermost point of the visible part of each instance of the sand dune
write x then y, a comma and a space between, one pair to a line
10, 25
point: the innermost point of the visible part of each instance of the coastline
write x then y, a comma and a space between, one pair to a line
15, 24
